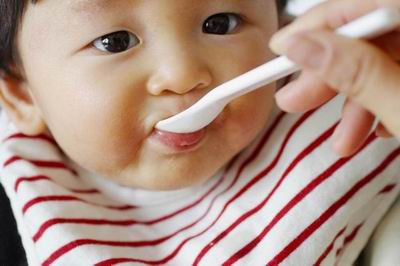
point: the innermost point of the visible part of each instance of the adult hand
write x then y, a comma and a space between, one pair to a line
368, 73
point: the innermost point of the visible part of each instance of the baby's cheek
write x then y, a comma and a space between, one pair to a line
251, 111
242, 121
104, 141
117, 147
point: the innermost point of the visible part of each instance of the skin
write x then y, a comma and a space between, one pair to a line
369, 75
101, 108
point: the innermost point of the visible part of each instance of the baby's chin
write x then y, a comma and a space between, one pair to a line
175, 182
175, 178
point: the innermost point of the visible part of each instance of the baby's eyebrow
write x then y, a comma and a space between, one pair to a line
85, 6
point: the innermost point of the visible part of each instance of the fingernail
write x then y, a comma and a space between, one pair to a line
337, 148
283, 98
280, 98
337, 141
304, 51
337, 134
277, 40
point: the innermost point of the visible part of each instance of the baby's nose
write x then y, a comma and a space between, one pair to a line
179, 73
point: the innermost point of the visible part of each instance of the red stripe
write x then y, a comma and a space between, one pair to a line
387, 189
45, 226
332, 210
348, 239
309, 149
11, 160
66, 248
38, 137
29, 179
21, 180
52, 222
45, 164
70, 198
82, 242
173, 254
114, 261
85, 191
262, 143
292, 203
55, 221
329, 248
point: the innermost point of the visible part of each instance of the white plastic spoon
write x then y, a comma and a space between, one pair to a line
208, 108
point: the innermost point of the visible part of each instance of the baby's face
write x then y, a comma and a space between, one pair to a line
103, 73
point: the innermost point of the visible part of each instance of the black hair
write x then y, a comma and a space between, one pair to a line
11, 12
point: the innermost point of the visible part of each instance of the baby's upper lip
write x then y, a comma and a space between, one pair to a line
177, 111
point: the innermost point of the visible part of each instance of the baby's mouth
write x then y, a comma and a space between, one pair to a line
177, 141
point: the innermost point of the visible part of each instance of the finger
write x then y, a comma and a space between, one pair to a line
382, 132
328, 15
352, 130
304, 94
354, 68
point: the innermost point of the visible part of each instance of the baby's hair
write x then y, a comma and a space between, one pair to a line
11, 12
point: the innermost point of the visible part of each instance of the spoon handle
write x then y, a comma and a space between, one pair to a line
371, 25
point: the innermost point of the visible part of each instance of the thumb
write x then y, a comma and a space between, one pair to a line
352, 67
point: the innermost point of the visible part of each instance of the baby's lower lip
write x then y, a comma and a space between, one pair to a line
179, 142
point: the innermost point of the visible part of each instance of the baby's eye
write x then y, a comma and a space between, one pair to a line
221, 23
116, 42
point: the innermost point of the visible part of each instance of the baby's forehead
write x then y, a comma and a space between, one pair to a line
100, 12
85, 6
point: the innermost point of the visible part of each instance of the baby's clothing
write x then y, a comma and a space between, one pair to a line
286, 199
383, 247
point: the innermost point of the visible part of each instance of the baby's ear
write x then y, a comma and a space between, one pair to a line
17, 101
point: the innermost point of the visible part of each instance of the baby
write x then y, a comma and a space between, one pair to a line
99, 75
95, 76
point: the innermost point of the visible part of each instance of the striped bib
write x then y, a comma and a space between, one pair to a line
286, 199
